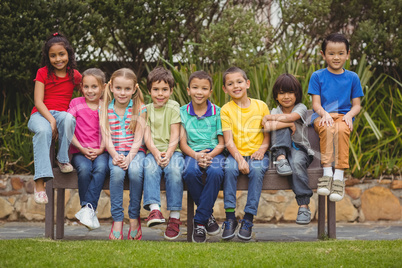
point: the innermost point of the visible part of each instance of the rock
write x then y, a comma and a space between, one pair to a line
73, 206
10, 193
3, 183
5, 208
104, 207
107, 192
378, 203
220, 195
12, 200
219, 210
29, 186
351, 182
385, 181
270, 191
345, 211
290, 213
32, 210
17, 183
266, 211
396, 184
353, 192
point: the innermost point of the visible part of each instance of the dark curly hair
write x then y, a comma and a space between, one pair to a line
57, 38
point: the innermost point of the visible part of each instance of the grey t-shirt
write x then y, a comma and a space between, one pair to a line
300, 138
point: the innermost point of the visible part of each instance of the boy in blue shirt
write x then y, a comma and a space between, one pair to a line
336, 96
202, 142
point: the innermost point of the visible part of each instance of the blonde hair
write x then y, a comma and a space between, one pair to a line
137, 98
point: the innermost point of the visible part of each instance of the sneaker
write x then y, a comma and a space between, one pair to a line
155, 218
212, 226
40, 197
245, 230
65, 167
337, 191
173, 229
324, 185
229, 228
303, 216
199, 234
78, 215
88, 217
283, 168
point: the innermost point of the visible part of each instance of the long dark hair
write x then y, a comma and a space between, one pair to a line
57, 38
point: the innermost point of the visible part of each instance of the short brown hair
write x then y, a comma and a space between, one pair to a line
160, 74
287, 83
232, 70
200, 75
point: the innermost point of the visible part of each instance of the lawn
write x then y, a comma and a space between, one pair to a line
332, 253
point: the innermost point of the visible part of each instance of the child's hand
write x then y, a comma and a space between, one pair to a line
118, 159
266, 118
244, 167
158, 157
258, 155
206, 161
165, 158
55, 133
125, 163
326, 120
200, 155
348, 120
293, 128
86, 152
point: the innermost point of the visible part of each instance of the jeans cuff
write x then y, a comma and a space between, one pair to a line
174, 208
303, 200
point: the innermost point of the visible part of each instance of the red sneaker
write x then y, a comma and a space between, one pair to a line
155, 218
173, 229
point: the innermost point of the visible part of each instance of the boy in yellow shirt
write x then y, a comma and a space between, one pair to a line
247, 144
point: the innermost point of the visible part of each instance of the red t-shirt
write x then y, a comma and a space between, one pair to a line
58, 90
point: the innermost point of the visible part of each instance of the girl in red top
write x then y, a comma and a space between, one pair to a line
54, 84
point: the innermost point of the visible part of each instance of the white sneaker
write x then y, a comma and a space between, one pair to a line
78, 215
337, 191
88, 217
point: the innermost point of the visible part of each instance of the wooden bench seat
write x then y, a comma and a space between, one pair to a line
272, 181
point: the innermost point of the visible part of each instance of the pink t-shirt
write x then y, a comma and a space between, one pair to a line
87, 129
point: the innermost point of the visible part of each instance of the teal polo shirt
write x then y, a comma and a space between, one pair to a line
202, 132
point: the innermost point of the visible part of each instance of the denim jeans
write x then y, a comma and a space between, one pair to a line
203, 194
42, 141
256, 177
91, 176
298, 160
135, 174
174, 184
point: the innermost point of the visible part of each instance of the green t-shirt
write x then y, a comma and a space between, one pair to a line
159, 120
202, 132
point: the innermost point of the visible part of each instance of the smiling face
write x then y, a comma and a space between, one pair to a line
286, 99
91, 89
199, 91
335, 56
58, 57
160, 93
122, 89
236, 86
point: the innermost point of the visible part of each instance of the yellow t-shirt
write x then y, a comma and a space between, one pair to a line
245, 124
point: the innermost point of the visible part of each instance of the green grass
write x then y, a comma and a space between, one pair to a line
332, 253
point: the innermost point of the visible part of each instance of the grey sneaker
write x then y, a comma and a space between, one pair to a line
212, 226
337, 191
283, 168
199, 234
324, 185
303, 216
246, 229
229, 228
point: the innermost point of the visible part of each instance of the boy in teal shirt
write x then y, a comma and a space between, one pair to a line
202, 142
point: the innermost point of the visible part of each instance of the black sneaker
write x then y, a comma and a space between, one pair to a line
199, 234
245, 229
212, 226
229, 228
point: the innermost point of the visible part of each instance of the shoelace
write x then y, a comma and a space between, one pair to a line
246, 224
211, 221
226, 225
91, 209
199, 230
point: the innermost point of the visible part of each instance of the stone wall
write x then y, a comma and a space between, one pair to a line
369, 201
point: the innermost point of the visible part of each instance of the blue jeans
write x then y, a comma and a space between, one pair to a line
135, 174
256, 177
203, 194
42, 141
91, 176
299, 161
174, 184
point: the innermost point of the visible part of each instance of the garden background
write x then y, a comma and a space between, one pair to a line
264, 37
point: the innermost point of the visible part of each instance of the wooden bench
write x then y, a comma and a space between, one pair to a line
272, 181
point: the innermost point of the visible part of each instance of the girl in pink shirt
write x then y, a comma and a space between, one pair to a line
89, 156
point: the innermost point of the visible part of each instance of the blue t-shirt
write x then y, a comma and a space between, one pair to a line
336, 90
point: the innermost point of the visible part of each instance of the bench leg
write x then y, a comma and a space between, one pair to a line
190, 217
60, 214
49, 210
321, 217
331, 219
